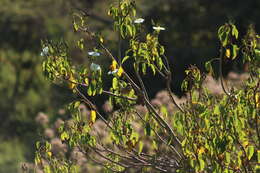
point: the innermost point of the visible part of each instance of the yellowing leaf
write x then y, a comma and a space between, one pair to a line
141, 145
202, 164
93, 116
113, 65
101, 40
72, 82
49, 154
257, 100
228, 53
120, 71
201, 150
86, 81
64, 136
245, 144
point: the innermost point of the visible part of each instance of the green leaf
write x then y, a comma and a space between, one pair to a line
202, 164
148, 129
154, 145
123, 31
234, 31
208, 66
80, 44
164, 111
115, 83
125, 58
250, 151
223, 34
227, 155
234, 51
141, 146
89, 91
144, 68
216, 110
64, 136
75, 26
47, 169
76, 104
153, 69
37, 145
129, 30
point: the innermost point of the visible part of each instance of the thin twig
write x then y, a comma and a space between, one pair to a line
221, 72
120, 96
168, 83
174, 149
164, 123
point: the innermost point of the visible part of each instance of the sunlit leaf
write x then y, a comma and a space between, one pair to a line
93, 116
250, 151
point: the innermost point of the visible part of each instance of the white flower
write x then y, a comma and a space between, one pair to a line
95, 67
45, 51
158, 28
113, 72
139, 20
92, 53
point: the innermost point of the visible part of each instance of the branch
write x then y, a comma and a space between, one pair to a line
174, 149
120, 96
168, 83
221, 72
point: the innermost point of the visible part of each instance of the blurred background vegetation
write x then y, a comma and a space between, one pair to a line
190, 38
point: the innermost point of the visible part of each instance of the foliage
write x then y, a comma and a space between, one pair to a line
207, 133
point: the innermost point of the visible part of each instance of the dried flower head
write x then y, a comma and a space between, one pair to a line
107, 107
57, 146
42, 118
49, 133
58, 123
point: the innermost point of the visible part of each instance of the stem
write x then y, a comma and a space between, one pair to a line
162, 122
119, 36
174, 149
168, 83
142, 84
221, 72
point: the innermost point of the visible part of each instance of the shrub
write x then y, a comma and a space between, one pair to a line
206, 132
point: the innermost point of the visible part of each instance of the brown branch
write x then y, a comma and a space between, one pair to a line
172, 148
168, 83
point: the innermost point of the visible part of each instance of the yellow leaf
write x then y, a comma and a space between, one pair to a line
245, 144
93, 116
120, 71
101, 40
72, 82
86, 81
201, 150
228, 53
49, 154
257, 100
113, 65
